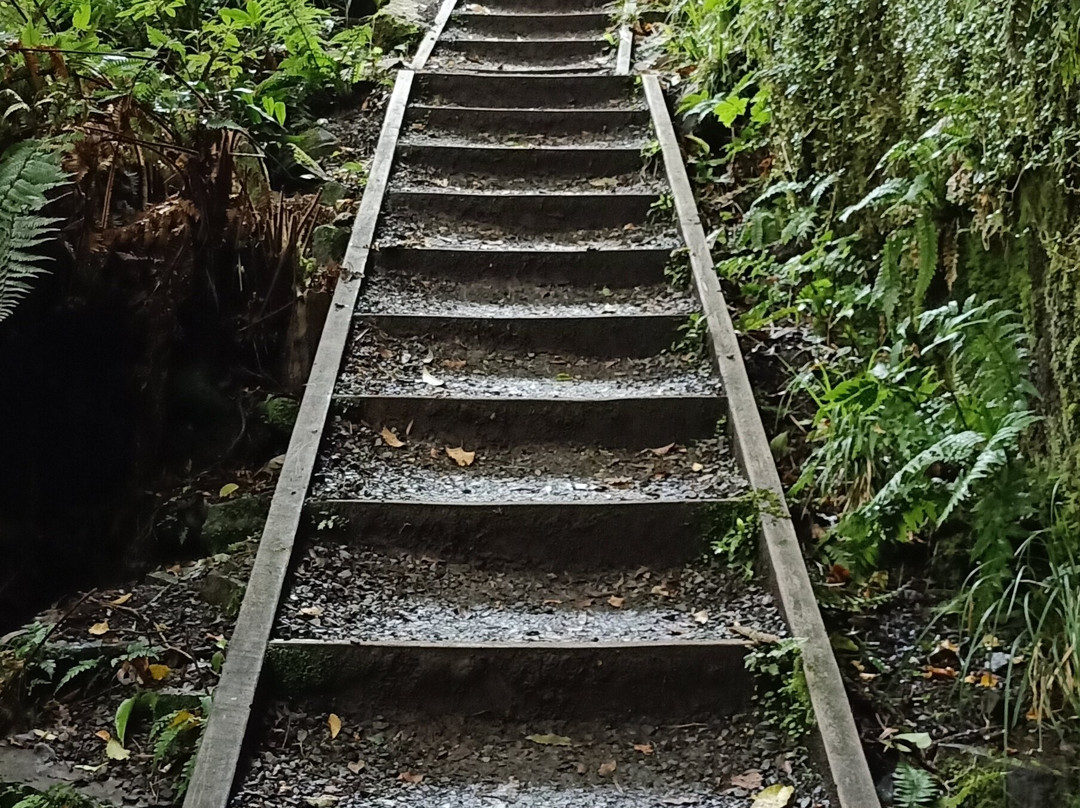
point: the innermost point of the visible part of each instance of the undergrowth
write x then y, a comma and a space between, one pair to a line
896, 181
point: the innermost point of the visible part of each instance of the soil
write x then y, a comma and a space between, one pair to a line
356, 463
341, 592
467, 762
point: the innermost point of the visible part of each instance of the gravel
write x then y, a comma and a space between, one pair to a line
377, 363
620, 137
462, 763
416, 177
408, 293
406, 229
355, 463
344, 593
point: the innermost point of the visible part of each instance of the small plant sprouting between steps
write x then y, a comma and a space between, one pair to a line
782, 691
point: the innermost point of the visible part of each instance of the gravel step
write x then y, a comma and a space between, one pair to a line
581, 23
449, 59
584, 124
614, 268
515, 161
526, 211
481, 762
492, 396
539, 6
532, 50
508, 91
408, 293
411, 177
356, 464
341, 593
607, 335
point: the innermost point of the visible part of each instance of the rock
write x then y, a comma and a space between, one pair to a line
223, 590
393, 25
233, 521
281, 413
328, 244
1028, 786
332, 192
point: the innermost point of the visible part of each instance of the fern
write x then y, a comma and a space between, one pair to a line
28, 171
913, 787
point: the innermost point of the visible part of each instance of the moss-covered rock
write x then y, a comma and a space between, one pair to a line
234, 521
390, 28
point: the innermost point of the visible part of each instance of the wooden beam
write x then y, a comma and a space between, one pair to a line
839, 736
423, 53
219, 753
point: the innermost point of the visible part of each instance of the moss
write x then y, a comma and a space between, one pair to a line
233, 521
389, 31
296, 670
281, 411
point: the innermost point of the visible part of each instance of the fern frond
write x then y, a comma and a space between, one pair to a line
28, 171
913, 787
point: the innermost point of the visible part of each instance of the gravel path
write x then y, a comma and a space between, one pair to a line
380, 364
467, 763
341, 593
357, 464
401, 293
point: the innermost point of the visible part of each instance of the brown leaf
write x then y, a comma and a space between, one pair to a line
311, 611
607, 769
663, 450
410, 777
644, 748
120, 601
390, 439
99, 628
453, 364
549, 740
334, 723
356, 766
701, 616
616, 602
750, 780
460, 456
103, 734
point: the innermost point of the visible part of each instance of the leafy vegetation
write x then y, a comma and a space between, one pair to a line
896, 182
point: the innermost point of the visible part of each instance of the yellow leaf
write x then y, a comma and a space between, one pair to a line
228, 490
776, 796
335, 725
99, 628
120, 601
159, 672
181, 717
390, 439
114, 750
460, 456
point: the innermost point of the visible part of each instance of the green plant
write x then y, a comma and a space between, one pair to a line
914, 787
782, 691
28, 172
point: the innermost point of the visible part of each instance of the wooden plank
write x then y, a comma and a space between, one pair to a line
219, 753
839, 736
626, 38
423, 53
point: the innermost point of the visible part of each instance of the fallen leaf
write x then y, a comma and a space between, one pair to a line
159, 672
663, 450
460, 456
322, 801
114, 751
616, 602
644, 748
697, 467
453, 364
750, 780
99, 628
701, 617
916, 740
774, 796
335, 724
86, 767
607, 769
410, 777
430, 379
390, 439
931, 672
103, 734
549, 740
120, 601
356, 766
311, 611
228, 490
618, 481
